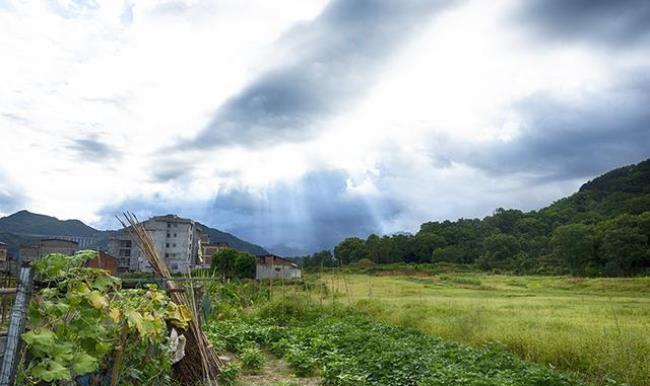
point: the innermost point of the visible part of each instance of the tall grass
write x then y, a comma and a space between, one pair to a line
597, 327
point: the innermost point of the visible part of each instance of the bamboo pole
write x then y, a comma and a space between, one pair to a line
200, 363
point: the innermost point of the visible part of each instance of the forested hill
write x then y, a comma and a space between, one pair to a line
603, 229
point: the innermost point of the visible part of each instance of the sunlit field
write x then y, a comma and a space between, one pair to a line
597, 327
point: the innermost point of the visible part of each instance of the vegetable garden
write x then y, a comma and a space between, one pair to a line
85, 329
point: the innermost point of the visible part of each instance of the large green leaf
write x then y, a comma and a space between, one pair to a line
49, 370
84, 363
41, 339
104, 282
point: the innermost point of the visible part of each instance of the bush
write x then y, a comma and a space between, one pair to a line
365, 263
252, 359
302, 364
228, 375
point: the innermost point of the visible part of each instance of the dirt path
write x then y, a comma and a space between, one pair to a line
276, 373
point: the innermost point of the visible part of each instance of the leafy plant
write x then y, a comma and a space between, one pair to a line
228, 375
252, 359
83, 315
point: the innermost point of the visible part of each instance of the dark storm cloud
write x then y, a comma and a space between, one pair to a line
612, 22
93, 150
297, 218
563, 140
329, 62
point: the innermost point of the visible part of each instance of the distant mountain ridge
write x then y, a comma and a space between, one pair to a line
25, 227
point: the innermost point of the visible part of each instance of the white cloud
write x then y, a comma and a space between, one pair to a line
138, 76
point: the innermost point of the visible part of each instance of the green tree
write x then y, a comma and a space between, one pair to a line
244, 266
574, 245
233, 264
449, 254
500, 251
624, 250
350, 250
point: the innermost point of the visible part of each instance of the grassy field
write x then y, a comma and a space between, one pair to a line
598, 327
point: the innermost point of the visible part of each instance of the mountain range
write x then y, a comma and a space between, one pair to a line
24, 227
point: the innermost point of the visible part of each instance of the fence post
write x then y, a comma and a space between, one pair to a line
16, 327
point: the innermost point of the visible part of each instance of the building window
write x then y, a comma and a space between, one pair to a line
168, 235
169, 225
174, 234
166, 254
167, 245
174, 244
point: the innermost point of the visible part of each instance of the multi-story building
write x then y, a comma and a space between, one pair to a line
176, 239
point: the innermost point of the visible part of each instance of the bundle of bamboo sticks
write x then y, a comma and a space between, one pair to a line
201, 363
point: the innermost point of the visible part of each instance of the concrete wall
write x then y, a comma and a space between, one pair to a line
264, 271
45, 247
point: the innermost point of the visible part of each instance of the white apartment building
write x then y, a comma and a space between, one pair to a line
176, 239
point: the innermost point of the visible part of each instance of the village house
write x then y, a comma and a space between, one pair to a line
47, 246
276, 267
105, 262
176, 239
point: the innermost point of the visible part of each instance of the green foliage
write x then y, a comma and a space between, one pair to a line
252, 358
500, 251
300, 362
76, 320
346, 348
574, 244
365, 263
234, 264
600, 230
228, 375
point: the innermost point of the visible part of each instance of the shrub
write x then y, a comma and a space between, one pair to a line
365, 263
302, 364
252, 359
228, 375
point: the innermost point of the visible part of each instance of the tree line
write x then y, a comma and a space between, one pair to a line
603, 229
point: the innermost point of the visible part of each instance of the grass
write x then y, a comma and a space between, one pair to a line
336, 345
598, 327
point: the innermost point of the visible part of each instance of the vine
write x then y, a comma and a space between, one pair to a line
83, 315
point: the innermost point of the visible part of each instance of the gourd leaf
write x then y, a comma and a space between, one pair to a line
98, 300
41, 339
84, 363
104, 282
50, 370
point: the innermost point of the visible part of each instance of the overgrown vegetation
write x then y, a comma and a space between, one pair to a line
347, 348
594, 326
234, 264
603, 229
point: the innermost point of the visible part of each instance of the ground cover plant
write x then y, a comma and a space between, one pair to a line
595, 326
345, 347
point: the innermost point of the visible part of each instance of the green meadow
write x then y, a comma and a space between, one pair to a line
599, 328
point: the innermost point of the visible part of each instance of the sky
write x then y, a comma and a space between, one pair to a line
295, 124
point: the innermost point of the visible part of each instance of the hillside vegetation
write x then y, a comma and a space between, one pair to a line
603, 229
